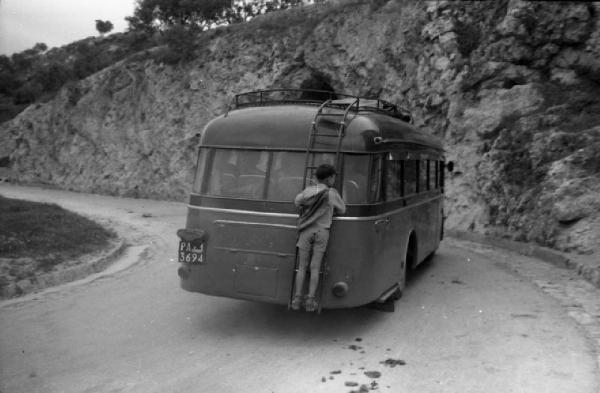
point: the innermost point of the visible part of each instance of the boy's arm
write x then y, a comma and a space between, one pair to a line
306, 195
299, 198
336, 201
302, 198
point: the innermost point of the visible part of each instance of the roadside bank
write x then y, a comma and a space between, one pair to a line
64, 272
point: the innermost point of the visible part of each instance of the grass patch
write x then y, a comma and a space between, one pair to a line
47, 233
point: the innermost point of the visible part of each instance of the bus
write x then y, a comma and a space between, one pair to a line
240, 236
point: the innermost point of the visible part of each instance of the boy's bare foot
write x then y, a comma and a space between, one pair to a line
310, 304
296, 302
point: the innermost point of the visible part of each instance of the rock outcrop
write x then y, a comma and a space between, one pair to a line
511, 86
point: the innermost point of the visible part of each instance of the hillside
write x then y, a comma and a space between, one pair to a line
511, 86
36, 74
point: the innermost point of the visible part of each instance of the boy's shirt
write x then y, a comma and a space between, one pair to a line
317, 204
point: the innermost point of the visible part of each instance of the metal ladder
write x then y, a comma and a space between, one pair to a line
309, 171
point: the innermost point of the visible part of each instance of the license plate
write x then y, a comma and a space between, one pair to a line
191, 253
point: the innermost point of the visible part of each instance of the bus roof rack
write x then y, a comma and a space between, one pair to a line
317, 98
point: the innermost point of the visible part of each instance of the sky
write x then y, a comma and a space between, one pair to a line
23, 23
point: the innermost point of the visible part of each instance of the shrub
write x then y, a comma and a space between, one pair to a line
180, 44
28, 93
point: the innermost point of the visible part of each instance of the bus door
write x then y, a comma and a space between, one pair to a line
390, 226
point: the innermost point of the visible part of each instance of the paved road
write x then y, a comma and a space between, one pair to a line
473, 320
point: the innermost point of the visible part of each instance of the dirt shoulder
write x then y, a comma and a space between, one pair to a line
586, 266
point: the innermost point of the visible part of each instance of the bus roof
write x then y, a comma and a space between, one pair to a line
287, 126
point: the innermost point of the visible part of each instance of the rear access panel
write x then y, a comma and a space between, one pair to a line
261, 257
256, 280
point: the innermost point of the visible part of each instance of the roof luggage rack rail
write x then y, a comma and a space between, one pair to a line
317, 98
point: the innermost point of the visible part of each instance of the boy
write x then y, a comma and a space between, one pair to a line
317, 204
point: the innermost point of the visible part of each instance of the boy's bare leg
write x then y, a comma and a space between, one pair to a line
315, 268
303, 258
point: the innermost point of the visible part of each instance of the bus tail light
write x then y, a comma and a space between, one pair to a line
340, 289
183, 272
192, 235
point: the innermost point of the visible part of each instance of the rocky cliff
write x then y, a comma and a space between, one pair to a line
511, 86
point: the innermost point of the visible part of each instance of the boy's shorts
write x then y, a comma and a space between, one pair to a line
315, 238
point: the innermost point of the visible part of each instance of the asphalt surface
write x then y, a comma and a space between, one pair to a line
474, 319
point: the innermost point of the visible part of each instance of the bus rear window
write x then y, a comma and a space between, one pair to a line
238, 174
287, 171
253, 174
200, 168
278, 175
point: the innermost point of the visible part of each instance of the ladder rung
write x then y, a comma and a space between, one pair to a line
321, 134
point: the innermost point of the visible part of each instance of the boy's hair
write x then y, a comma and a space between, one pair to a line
324, 171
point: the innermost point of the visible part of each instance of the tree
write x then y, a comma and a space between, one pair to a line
103, 27
150, 15
40, 47
27, 93
6, 64
180, 44
161, 14
8, 76
240, 12
89, 58
51, 76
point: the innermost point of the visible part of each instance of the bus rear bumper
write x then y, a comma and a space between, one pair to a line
257, 285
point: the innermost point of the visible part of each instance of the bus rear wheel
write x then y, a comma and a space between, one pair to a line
386, 302
409, 261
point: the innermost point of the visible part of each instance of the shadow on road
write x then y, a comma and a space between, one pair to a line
421, 272
253, 320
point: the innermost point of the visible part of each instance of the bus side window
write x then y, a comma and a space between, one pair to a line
434, 168
375, 191
393, 177
432, 174
410, 177
354, 188
422, 175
